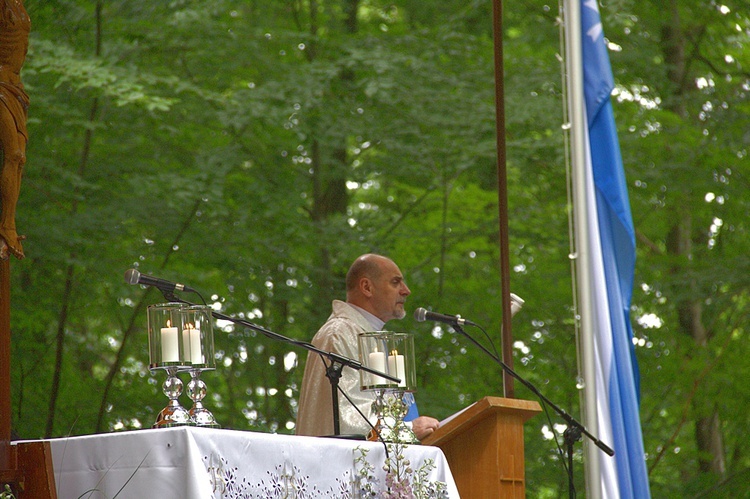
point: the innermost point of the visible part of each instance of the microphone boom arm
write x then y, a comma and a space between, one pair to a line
567, 417
333, 372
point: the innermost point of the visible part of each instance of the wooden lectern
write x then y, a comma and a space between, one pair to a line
484, 447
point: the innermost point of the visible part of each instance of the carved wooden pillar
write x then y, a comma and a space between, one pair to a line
27, 467
5, 411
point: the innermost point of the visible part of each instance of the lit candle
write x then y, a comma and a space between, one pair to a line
186, 343
376, 360
170, 349
396, 367
196, 355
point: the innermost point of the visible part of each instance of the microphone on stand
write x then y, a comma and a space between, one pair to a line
132, 276
422, 314
575, 429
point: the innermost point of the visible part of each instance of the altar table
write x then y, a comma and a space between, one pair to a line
194, 462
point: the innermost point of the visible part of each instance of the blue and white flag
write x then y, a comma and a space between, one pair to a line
612, 240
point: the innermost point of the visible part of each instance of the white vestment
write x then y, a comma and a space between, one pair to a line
315, 413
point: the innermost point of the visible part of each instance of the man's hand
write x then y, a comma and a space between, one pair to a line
423, 426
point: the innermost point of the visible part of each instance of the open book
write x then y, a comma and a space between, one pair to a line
452, 416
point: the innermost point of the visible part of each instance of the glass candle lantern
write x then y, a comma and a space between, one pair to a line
390, 353
198, 344
393, 354
165, 342
197, 337
165, 347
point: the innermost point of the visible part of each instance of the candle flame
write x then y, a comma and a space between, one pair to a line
394, 352
169, 323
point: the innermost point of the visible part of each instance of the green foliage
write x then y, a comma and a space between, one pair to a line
253, 150
7, 493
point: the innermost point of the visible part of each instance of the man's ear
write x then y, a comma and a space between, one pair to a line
365, 287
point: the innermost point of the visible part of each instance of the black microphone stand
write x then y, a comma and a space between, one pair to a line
574, 430
333, 370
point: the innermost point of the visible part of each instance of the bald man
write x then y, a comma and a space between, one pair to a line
375, 294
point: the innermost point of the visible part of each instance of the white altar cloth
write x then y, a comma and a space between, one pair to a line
191, 462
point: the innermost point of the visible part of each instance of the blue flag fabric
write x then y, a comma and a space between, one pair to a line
613, 245
412, 412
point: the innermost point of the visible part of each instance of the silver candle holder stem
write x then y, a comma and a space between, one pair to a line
199, 415
391, 408
173, 414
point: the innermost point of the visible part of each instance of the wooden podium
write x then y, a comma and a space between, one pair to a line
484, 447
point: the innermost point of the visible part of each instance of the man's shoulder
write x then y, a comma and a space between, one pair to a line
343, 311
343, 324
338, 325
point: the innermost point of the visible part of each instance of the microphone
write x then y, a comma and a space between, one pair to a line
132, 276
422, 314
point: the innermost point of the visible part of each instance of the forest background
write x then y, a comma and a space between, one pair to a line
253, 149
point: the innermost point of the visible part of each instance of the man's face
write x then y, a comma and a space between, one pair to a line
389, 293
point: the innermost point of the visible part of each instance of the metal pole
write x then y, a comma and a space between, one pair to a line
583, 262
502, 191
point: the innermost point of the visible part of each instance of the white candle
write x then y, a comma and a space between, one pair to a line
396, 367
376, 360
196, 356
170, 349
186, 344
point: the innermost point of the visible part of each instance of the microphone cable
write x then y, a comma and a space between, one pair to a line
373, 429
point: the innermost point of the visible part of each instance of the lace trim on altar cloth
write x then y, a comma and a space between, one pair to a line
288, 481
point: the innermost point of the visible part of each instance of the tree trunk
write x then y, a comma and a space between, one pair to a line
709, 438
70, 272
330, 195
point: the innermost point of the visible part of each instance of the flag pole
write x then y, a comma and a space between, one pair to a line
582, 256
